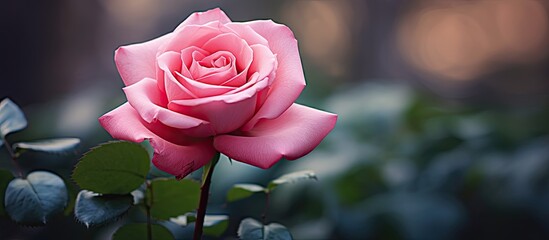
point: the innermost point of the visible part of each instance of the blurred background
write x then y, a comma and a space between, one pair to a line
443, 128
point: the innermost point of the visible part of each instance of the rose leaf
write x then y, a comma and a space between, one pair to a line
252, 229
241, 191
113, 168
32, 201
12, 118
170, 197
5, 179
93, 208
214, 225
54, 146
291, 177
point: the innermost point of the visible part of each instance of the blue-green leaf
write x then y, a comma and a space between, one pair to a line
252, 229
214, 225
56, 146
34, 200
5, 179
113, 168
241, 191
291, 177
12, 118
93, 208
172, 198
138, 231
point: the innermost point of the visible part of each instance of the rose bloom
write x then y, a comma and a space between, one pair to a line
213, 85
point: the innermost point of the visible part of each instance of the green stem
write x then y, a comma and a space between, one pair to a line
148, 203
204, 195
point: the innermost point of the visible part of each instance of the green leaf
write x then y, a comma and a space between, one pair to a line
291, 177
184, 219
138, 231
113, 168
5, 179
241, 191
214, 225
73, 193
93, 208
56, 146
252, 229
34, 200
171, 198
12, 118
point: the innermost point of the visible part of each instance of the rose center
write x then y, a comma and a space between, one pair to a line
216, 60
214, 68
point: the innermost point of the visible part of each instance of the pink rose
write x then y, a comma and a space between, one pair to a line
213, 85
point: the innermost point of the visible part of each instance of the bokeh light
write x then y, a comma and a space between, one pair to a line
461, 40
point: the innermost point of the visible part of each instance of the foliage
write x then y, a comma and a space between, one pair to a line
93, 208
113, 168
171, 198
251, 229
12, 118
35, 198
399, 165
54, 146
214, 225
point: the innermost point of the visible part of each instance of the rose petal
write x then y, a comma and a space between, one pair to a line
170, 63
289, 81
191, 35
187, 59
292, 135
255, 86
246, 33
180, 87
202, 90
221, 74
200, 18
264, 62
124, 123
223, 114
234, 44
181, 160
137, 61
146, 98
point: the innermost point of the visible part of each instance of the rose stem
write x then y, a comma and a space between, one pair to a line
266, 210
13, 157
148, 203
204, 194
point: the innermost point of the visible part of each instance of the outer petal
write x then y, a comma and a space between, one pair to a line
181, 160
247, 33
124, 123
199, 18
289, 81
292, 135
146, 98
191, 35
138, 61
